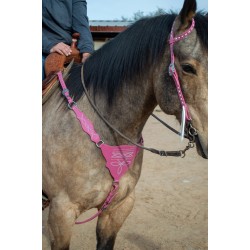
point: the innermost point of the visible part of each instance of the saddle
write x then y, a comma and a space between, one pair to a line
56, 62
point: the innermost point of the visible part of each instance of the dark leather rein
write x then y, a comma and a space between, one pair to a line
187, 129
190, 131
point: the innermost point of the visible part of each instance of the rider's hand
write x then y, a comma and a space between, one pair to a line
62, 49
85, 56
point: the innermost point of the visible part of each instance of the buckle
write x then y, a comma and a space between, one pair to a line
163, 153
71, 105
65, 91
98, 144
171, 69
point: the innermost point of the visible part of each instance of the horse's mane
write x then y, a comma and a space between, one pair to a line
130, 54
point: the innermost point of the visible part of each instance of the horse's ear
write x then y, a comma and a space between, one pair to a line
184, 19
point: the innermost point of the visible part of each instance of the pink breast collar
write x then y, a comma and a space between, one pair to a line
118, 158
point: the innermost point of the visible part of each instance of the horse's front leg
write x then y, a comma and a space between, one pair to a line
62, 216
111, 220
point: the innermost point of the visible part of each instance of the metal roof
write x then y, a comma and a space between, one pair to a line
110, 23
108, 27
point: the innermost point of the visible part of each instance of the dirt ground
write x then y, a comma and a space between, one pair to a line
170, 211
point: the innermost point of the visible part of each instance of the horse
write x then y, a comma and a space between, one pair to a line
125, 79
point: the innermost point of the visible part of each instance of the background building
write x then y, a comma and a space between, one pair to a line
102, 31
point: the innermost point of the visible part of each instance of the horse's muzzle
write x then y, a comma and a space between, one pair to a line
202, 147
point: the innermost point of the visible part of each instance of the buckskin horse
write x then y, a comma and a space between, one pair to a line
93, 150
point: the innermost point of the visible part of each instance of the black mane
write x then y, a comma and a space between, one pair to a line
130, 54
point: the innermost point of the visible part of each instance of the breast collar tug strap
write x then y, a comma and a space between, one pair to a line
118, 158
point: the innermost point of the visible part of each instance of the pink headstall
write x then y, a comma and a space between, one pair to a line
172, 71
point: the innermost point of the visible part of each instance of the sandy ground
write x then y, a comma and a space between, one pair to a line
170, 211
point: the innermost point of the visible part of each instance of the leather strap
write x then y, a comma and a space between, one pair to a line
179, 153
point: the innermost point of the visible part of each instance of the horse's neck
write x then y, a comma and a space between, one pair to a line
128, 113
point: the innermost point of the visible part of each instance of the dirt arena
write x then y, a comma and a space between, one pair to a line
170, 211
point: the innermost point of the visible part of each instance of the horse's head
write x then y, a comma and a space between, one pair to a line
191, 64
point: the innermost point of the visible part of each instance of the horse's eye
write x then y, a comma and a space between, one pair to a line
188, 69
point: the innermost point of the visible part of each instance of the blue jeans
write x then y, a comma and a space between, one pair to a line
43, 70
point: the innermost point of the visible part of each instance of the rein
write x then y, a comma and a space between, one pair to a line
190, 131
179, 153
